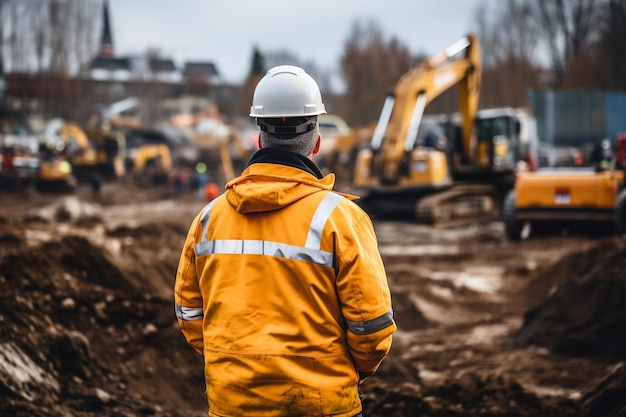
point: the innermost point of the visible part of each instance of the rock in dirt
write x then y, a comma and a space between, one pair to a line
607, 398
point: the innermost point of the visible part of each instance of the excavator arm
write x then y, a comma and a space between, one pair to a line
444, 180
397, 128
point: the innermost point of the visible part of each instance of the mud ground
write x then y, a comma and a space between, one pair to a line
486, 327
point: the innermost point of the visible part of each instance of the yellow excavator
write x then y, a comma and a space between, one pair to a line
125, 148
147, 157
87, 153
54, 173
452, 176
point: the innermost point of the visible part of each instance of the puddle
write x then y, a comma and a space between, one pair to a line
419, 250
486, 334
483, 279
554, 392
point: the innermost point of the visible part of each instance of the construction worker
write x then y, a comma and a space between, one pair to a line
7, 164
9, 173
280, 285
602, 155
201, 179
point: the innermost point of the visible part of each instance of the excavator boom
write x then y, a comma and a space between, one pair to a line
421, 85
396, 132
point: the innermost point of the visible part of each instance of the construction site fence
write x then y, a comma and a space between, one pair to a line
576, 118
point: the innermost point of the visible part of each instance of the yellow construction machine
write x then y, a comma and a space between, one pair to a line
55, 171
444, 177
333, 129
89, 152
552, 199
28, 159
147, 156
125, 148
346, 149
111, 150
224, 151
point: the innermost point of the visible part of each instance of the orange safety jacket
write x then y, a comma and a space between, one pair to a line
280, 286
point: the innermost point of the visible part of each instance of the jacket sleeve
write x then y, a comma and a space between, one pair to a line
187, 295
365, 297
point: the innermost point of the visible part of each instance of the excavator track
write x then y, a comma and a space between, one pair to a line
392, 203
459, 205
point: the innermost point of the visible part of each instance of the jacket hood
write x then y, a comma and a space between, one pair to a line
275, 178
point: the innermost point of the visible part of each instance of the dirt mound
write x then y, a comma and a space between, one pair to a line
586, 315
87, 325
467, 395
78, 335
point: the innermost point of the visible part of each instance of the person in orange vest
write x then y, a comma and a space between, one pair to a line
280, 285
8, 165
211, 191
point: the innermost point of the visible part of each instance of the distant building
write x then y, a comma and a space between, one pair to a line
109, 68
200, 73
134, 69
164, 70
155, 81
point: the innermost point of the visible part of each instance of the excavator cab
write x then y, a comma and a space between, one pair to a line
496, 147
148, 157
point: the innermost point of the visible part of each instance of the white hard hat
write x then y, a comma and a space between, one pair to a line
286, 91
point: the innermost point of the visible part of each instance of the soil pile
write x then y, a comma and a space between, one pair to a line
84, 333
586, 315
87, 325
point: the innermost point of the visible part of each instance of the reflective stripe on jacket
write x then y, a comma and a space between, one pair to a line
282, 289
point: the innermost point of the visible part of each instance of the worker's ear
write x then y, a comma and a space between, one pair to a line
317, 145
258, 141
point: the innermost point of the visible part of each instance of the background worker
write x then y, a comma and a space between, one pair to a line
280, 285
9, 173
7, 162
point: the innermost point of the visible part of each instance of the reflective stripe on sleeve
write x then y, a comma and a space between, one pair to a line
310, 252
189, 313
361, 328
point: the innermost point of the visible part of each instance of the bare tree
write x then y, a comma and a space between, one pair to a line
370, 65
40, 37
50, 35
508, 56
612, 46
85, 31
520, 38
568, 27
16, 45
58, 21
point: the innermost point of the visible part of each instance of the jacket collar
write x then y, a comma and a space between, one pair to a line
284, 157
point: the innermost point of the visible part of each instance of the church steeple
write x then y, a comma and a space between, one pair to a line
106, 40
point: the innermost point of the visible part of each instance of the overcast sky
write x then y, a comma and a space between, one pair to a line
225, 31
